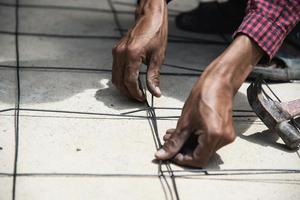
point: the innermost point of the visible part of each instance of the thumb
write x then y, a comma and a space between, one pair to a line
153, 78
173, 145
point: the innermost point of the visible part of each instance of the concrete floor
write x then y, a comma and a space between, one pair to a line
64, 146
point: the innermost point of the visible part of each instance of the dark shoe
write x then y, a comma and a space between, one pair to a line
294, 36
213, 17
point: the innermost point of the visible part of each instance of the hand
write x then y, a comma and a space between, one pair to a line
144, 43
206, 122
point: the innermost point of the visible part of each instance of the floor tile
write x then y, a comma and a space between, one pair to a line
8, 55
175, 91
69, 3
125, 6
68, 145
61, 52
7, 144
7, 16
67, 22
89, 188
197, 57
73, 91
6, 188
11, 2
8, 86
240, 187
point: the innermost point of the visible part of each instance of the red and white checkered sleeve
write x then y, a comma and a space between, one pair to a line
268, 22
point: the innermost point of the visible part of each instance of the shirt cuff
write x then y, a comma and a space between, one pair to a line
266, 33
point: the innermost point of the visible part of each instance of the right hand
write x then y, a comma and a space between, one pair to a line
146, 43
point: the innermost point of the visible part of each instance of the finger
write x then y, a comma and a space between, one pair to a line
118, 68
166, 137
117, 52
171, 131
153, 77
173, 145
115, 67
131, 76
168, 134
182, 159
202, 153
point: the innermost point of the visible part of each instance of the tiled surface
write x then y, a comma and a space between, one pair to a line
7, 18
89, 188
69, 3
58, 52
7, 88
241, 187
67, 22
73, 91
85, 146
8, 53
6, 187
74, 140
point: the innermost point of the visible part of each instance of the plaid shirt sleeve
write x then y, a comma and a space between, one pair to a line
268, 22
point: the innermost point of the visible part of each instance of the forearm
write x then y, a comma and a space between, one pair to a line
233, 66
238, 60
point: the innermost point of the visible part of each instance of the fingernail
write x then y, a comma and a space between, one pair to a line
160, 153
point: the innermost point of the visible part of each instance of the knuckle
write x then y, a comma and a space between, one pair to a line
154, 73
180, 134
153, 81
118, 50
215, 134
170, 145
133, 50
228, 137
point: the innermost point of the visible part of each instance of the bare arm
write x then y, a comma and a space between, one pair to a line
207, 113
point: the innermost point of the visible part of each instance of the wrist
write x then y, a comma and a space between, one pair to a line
151, 17
236, 62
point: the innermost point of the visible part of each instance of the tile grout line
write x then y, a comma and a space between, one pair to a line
17, 106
